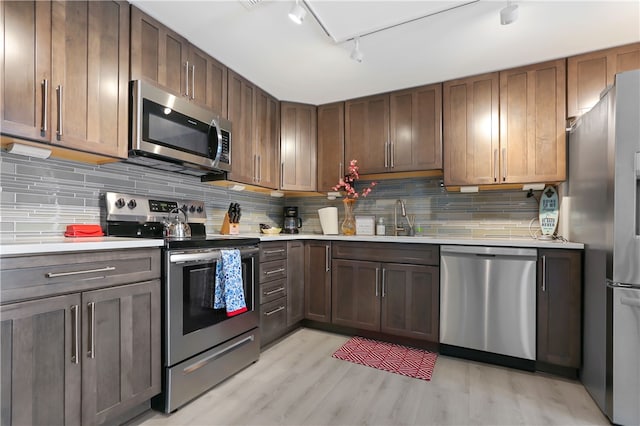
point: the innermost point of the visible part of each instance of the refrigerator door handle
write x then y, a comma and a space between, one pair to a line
628, 301
616, 284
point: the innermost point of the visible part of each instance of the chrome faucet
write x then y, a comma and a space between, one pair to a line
403, 213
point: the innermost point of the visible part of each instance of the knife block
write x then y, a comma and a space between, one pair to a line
229, 228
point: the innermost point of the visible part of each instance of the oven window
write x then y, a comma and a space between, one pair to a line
198, 281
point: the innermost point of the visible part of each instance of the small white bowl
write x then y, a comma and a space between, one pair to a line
271, 231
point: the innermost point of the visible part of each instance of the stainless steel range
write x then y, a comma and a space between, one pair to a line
201, 346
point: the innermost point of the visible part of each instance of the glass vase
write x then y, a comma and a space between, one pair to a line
349, 223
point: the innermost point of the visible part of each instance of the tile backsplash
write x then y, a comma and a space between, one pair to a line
41, 197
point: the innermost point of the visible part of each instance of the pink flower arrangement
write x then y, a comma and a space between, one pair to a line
346, 184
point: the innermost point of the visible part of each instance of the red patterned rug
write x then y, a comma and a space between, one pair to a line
397, 359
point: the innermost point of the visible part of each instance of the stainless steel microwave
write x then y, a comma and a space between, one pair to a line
171, 133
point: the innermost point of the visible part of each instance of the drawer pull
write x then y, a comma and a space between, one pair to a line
275, 271
274, 251
269, 293
275, 311
205, 361
86, 271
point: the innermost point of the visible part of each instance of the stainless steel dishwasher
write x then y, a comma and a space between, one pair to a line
488, 303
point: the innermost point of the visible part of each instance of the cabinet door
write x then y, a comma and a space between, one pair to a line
207, 81
40, 370
121, 349
559, 294
298, 146
241, 114
532, 123
355, 294
25, 79
471, 132
266, 158
589, 74
158, 54
366, 123
295, 282
415, 129
330, 145
410, 301
317, 281
90, 66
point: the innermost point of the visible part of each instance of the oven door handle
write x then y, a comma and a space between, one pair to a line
208, 255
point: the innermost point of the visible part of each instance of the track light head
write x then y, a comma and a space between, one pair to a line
356, 53
297, 13
509, 14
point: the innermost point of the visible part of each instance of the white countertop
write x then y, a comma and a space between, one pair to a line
497, 242
9, 247
13, 247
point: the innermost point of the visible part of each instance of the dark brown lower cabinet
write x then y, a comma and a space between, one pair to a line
559, 312
355, 294
391, 298
317, 281
80, 358
410, 301
295, 282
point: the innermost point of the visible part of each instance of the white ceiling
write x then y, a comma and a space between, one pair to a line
303, 64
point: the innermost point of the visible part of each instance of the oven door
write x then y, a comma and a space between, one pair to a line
190, 327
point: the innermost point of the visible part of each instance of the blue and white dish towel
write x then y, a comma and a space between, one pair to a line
229, 291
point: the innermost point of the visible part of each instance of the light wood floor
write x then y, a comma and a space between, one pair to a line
297, 382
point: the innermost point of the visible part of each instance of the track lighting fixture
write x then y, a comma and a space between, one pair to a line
509, 14
356, 53
297, 13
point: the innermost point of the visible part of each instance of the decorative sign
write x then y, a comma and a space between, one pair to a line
548, 212
365, 225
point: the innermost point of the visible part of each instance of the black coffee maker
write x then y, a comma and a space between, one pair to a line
291, 220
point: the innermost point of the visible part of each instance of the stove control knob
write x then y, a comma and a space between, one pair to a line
120, 203
132, 204
199, 209
192, 209
184, 207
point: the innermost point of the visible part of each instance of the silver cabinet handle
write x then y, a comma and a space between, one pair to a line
504, 164
274, 251
259, 169
386, 154
92, 329
326, 258
269, 293
86, 271
275, 271
59, 131
193, 82
377, 274
255, 168
186, 85
495, 165
45, 101
544, 273
205, 361
392, 153
275, 311
340, 175
384, 270
75, 356
281, 175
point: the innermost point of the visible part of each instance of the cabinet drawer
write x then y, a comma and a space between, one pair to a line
273, 270
273, 319
30, 277
415, 254
273, 251
273, 290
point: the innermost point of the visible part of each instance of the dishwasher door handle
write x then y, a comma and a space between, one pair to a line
487, 251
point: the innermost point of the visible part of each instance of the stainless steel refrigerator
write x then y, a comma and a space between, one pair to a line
604, 191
